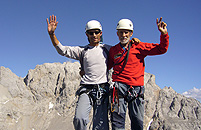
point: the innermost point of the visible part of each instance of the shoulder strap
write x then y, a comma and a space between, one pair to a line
126, 58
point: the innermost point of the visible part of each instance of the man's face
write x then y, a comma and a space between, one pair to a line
124, 35
94, 36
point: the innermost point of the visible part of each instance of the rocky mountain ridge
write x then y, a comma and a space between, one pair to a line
45, 100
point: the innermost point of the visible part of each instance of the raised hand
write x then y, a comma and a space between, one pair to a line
161, 26
52, 24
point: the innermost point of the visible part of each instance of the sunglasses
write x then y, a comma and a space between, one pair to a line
92, 33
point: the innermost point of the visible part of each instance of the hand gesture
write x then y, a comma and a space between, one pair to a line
52, 25
161, 26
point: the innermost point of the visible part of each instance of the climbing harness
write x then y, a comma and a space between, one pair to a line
129, 96
99, 94
95, 92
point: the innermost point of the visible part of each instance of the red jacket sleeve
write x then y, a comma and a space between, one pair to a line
156, 49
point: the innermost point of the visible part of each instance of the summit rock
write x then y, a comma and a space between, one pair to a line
45, 100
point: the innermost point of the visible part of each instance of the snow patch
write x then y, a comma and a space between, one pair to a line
51, 105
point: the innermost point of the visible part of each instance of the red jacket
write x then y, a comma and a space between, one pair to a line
133, 73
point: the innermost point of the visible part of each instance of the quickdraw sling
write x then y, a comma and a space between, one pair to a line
125, 59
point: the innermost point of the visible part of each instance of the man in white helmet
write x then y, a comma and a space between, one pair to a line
127, 60
94, 87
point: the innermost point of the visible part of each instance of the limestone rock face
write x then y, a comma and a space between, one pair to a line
176, 112
45, 100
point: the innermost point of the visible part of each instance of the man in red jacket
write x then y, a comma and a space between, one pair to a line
127, 60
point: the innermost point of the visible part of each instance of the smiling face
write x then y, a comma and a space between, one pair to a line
94, 36
124, 35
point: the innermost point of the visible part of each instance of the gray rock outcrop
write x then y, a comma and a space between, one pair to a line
45, 100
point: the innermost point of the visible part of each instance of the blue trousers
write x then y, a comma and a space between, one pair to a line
100, 110
135, 109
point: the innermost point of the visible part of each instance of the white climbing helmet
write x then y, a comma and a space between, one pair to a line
125, 24
93, 24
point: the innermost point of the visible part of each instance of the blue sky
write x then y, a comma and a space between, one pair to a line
25, 42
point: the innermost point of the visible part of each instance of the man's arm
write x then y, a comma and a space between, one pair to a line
51, 27
68, 51
156, 49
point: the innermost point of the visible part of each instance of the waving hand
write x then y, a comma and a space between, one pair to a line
52, 24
